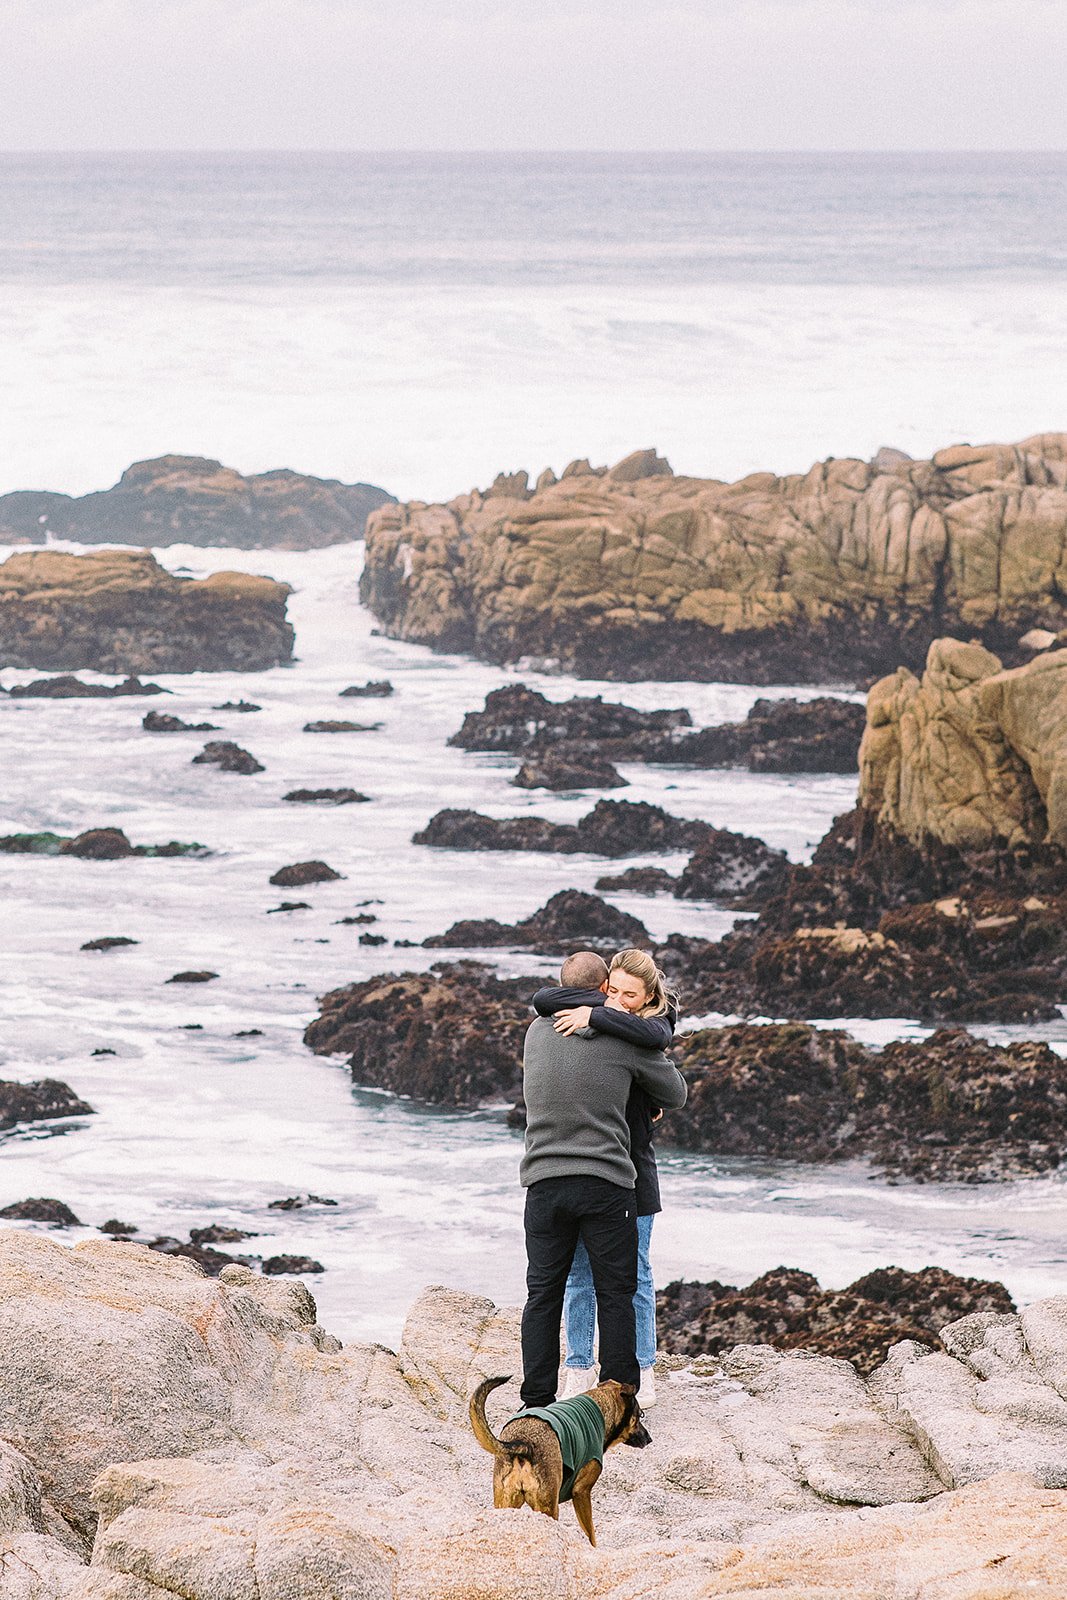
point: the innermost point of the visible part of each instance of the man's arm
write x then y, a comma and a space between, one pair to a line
659, 1078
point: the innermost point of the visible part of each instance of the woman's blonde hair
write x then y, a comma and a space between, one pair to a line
639, 964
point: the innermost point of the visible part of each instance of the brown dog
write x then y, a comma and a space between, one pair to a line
528, 1461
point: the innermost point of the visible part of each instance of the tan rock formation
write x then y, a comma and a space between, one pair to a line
970, 755
120, 611
169, 1434
847, 569
193, 500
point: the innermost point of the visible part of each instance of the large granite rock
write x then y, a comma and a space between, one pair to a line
120, 611
169, 1434
841, 572
970, 755
192, 500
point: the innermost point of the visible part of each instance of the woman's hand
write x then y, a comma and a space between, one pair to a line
572, 1019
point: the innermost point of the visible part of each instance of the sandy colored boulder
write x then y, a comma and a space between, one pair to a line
843, 571
170, 1434
120, 611
969, 755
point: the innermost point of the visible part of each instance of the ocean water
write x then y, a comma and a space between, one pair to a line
194, 1125
425, 321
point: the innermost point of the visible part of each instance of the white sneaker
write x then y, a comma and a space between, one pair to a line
578, 1380
647, 1392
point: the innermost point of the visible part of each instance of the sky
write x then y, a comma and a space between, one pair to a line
533, 74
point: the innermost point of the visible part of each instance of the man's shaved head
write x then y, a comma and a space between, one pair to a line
583, 970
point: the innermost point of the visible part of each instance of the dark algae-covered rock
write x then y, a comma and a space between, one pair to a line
327, 797
163, 722
452, 1036
228, 757
302, 873
787, 1308
570, 769
68, 687
108, 941
788, 735
612, 828
570, 919
950, 1107
375, 689
45, 1100
55, 1212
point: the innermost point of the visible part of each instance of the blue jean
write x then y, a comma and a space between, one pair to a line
579, 1305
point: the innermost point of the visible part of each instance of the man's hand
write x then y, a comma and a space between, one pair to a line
571, 1020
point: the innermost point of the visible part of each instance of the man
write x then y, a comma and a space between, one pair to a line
579, 1180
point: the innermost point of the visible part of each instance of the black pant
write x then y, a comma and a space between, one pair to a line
559, 1212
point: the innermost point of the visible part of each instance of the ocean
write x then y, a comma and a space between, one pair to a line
424, 322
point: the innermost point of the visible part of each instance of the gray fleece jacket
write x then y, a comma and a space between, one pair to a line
576, 1092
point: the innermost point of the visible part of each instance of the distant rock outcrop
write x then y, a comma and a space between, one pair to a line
193, 500
838, 573
120, 611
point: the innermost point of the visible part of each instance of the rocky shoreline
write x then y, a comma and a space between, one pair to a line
836, 575
169, 1433
193, 500
120, 611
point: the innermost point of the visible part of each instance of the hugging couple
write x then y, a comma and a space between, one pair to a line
595, 1079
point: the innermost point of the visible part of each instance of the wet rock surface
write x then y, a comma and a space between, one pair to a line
193, 500
612, 828
819, 735
228, 757
835, 574
108, 941
571, 919
120, 611
302, 873
638, 880
451, 1036
95, 844
68, 687
163, 722
949, 1108
374, 689
772, 1472
562, 770
329, 797
517, 719
341, 727
193, 975
39, 1101
55, 1212
787, 1309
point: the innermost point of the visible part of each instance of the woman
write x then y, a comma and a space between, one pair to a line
638, 1008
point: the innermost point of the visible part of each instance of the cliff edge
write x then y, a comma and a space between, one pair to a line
839, 573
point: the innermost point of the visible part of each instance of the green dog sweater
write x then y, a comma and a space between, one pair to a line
579, 1426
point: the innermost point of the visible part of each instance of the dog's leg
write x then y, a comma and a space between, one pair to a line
583, 1505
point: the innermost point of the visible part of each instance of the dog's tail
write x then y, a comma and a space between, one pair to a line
482, 1431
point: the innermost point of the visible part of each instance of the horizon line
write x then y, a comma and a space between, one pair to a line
530, 150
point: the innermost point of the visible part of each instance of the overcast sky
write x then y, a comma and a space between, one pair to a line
533, 74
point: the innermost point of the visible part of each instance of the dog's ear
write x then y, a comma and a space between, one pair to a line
627, 1388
